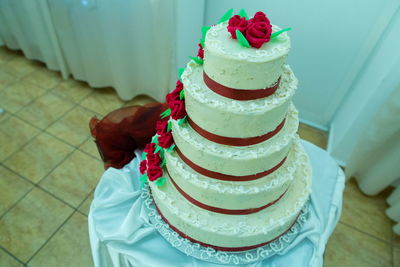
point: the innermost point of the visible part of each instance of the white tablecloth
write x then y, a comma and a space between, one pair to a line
122, 235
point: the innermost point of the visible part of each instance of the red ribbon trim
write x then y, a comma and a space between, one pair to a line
226, 177
239, 94
218, 247
221, 210
235, 141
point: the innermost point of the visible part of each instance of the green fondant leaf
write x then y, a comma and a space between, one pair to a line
162, 153
144, 154
180, 71
155, 139
242, 13
182, 95
169, 126
202, 42
226, 16
163, 162
182, 121
197, 60
204, 31
171, 148
143, 180
165, 114
158, 149
275, 34
160, 181
241, 39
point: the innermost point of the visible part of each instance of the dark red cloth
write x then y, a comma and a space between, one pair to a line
121, 131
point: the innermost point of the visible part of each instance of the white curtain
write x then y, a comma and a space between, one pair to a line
26, 25
365, 135
126, 44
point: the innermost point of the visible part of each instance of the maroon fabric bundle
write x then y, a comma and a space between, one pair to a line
121, 131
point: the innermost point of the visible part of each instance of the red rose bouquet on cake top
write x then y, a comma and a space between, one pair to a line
250, 32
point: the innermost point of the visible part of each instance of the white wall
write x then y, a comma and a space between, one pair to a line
331, 40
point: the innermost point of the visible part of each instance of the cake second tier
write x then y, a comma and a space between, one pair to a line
234, 118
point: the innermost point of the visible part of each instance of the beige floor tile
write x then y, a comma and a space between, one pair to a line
7, 54
44, 78
68, 247
38, 157
19, 94
4, 114
313, 135
20, 66
139, 100
396, 257
8, 261
6, 79
395, 240
366, 213
85, 207
27, 226
13, 188
14, 133
103, 101
73, 127
73, 90
74, 178
349, 247
90, 147
45, 110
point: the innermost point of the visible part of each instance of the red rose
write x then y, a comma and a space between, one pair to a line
178, 110
237, 23
174, 95
149, 148
161, 126
260, 17
258, 33
165, 140
200, 53
153, 160
143, 166
154, 172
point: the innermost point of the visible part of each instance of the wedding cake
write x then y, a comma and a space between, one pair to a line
226, 168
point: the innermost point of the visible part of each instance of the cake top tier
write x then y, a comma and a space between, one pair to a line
219, 41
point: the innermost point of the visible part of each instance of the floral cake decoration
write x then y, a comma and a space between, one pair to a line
252, 32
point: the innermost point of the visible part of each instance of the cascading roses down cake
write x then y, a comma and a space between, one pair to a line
226, 168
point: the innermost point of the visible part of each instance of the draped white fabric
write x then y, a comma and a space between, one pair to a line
121, 233
366, 130
126, 44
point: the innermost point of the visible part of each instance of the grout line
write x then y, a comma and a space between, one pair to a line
12, 255
366, 233
51, 236
15, 204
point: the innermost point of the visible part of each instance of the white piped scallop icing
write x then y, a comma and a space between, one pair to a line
232, 65
234, 195
236, 160
235, 230
234, 118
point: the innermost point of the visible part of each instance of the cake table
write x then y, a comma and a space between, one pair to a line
122, 233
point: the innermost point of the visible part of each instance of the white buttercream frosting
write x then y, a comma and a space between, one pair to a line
232, 65
235, 195
233, 118
235, 230
236, 160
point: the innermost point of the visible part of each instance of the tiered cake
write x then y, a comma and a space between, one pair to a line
234, 176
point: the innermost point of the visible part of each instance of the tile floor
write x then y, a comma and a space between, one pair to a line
49, 167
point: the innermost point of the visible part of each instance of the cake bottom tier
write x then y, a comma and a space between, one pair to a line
233, 232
